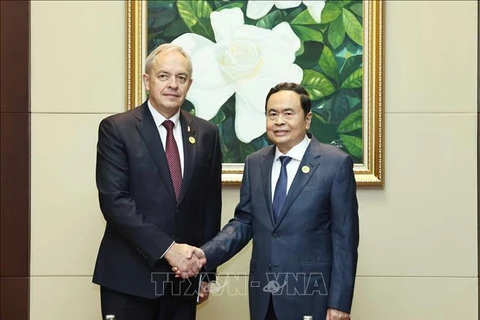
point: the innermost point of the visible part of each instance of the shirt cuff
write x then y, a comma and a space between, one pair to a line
166, 250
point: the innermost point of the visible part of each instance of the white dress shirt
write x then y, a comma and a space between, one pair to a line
177, 130
296, 153
177, 133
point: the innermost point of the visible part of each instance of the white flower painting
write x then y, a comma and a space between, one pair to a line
241, 49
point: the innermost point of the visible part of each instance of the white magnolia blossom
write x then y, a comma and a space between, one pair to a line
257, 9
246, 61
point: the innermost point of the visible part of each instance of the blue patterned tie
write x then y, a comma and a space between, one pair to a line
281, 187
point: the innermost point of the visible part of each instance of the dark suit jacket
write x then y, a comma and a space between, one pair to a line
307, 260
138, 201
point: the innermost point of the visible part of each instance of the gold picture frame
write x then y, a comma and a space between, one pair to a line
368, 173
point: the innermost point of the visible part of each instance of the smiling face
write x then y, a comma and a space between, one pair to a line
168, 82
286, 120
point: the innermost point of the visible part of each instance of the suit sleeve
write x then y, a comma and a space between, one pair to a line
236, 234
213, 203
116, 201
345, 236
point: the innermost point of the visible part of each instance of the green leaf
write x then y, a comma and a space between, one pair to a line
177, 28
160, 14
304, 18
293, 15
354, 80
196, 15
352, 64
336, 33
308, 59
231, 6
353, 27
317, 84
154, 35
270, 20
351, 123
353, 144
307, 34
219, 118
245, 150
330, 12
323, 131
318, 117
337, 106
357, 8
160, 5
343, 3
329, 64
220, 5
354, 101
161, 19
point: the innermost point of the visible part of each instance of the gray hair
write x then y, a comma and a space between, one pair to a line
167, 47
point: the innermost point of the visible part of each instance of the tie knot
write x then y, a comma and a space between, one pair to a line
168, 124
285, 160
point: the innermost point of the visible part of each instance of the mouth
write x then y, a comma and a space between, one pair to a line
280, 132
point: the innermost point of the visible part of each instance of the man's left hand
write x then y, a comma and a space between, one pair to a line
334, 314
204, 290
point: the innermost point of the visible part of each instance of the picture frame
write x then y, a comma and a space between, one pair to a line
367, 131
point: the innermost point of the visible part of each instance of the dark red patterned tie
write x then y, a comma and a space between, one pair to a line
173, 158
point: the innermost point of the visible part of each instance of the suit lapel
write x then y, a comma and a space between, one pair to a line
149, 132
266, 172
189, 148
311, 159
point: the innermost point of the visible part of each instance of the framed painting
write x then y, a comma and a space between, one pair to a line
240, 49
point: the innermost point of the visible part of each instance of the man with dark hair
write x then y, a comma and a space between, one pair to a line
298, 203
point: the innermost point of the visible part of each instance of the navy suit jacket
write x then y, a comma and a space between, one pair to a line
306, 261
138, 201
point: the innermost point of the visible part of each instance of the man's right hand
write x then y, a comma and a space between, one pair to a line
193, 253
186, 261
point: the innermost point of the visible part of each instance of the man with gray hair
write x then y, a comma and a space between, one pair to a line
159, 181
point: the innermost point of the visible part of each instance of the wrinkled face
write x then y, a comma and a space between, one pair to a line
168, 82
286, 120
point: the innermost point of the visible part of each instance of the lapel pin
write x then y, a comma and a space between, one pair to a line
305, 169
191, 140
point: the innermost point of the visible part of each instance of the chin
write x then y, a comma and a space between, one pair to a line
279, 142
173, 105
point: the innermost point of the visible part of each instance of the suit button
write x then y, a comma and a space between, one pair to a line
177, 211
275, 235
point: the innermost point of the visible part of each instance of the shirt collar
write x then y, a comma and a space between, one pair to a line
159, 118
296, 153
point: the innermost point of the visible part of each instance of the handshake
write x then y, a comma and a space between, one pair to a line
186, 260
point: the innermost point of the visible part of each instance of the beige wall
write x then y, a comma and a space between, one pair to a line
418, 252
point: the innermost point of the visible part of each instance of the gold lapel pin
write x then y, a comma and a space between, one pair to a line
191, 140
305, 169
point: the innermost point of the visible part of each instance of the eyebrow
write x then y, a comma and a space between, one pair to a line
275, 109
178, 74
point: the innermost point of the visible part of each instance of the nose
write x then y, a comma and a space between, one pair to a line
279, 120
173, 83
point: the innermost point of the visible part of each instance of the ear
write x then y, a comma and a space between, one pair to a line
146, 81
308, 120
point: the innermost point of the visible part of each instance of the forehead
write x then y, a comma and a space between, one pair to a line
284, 99
171, 61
